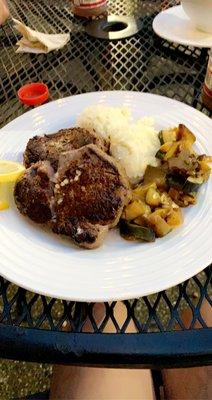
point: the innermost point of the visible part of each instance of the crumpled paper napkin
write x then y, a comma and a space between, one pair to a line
38, 42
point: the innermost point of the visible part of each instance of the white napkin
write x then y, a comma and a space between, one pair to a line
38, 42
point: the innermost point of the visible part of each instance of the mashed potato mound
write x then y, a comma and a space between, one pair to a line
133, 144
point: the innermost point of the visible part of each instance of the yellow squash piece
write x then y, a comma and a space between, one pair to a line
207, 159
166, 147
153, 197
135, 209
204, 170
171, 152
185, 145
166, 200
158, 224
185, 134
175, 218
162, 212
141, 191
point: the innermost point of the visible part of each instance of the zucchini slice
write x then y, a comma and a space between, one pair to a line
160, 137
160, 155
189, 185
182, 199
192, 184
185, 134
155, 174
168, 135
136, 232
176, 181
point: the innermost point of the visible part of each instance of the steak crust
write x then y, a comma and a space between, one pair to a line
90, 192
34, 192
50, 147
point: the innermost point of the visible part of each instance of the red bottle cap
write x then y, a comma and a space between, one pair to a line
33, 94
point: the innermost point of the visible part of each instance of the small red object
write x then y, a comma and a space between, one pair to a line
33, 94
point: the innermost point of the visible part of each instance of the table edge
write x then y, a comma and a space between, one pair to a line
146, 350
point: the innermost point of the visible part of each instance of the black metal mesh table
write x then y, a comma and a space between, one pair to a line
32, 326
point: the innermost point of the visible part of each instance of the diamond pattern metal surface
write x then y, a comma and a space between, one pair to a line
143, 62
159, 312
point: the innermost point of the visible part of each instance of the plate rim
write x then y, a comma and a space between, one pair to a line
102, 299
10, 124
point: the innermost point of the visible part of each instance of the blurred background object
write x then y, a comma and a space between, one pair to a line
89, 8
207, 87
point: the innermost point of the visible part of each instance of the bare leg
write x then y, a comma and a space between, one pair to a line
70, 383
190, 383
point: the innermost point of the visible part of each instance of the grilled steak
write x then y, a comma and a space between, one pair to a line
34, 192
49, 147
90, 194
90, 191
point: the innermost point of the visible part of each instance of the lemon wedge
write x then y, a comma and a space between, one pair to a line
9, 173
3, 205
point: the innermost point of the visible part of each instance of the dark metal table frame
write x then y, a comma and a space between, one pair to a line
31, 326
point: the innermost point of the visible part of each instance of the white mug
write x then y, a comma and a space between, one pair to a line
200, 13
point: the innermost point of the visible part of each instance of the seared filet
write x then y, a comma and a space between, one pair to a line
90, 194
82, 200
49, 147
34, 192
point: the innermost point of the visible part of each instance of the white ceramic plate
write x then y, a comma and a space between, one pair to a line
174, 25
45, 263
